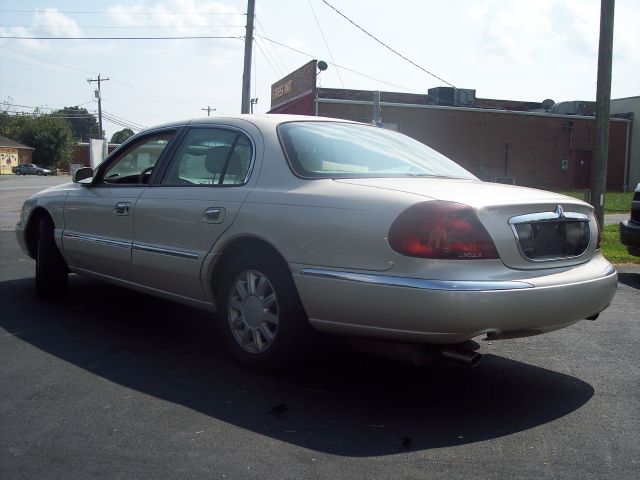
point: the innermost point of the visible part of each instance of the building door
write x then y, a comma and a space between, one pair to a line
582, 175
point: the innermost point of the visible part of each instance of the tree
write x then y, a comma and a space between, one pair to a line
50, 136
121, 135
84, 125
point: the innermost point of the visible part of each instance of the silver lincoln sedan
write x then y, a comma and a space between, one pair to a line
288, 225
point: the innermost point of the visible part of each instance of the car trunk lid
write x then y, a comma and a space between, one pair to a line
531, 229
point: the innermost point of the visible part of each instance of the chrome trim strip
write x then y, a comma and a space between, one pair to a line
418, 283
165, 251
102, 241
559, 215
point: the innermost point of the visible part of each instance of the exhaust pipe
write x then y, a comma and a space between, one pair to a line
459, 355
418, 355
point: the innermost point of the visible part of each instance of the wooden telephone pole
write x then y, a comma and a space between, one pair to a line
603, 104
248, 44
99, 95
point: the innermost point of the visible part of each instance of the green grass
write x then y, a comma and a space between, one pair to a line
612, 249
614, 202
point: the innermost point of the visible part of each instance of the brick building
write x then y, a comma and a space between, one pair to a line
542, 145
81, 154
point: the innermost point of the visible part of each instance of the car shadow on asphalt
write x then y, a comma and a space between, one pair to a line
630, 279
342, 402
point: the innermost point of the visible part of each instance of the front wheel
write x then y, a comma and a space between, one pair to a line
18, 172
39, 173
51, 269
261, 315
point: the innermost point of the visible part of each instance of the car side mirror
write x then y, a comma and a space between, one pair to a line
82, 174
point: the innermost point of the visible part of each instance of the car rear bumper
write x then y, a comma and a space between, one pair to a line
437, 311
630, 236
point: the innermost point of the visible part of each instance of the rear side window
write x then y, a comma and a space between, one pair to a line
337, 150
210, 156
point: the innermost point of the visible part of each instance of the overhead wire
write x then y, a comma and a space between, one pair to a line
138, 125
387, 46
58, 113
339, 66
273, 69
99, 12
187, 37
326, 44
57, 67
128, 27
42, 108
270, 47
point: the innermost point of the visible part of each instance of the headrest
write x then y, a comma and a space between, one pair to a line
216, 156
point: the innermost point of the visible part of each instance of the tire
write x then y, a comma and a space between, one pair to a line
18, 172
51, 269
39, 173
263, 321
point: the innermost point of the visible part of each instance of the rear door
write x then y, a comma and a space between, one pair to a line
98, 229
178, 219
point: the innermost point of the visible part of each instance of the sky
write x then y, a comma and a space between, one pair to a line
508, 49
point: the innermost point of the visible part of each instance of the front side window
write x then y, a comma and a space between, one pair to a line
344, 150
135, 164
210, 156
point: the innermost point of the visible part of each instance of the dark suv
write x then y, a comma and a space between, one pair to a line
630, 229
30, 169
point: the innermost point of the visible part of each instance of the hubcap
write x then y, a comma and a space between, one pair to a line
253, 311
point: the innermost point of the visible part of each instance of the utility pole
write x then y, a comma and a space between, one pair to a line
209, 110
603, 104
99, 95
248, 44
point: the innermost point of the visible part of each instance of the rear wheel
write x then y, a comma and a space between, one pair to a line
261, 315
51, 269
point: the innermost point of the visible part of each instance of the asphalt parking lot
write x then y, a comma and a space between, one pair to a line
109, 383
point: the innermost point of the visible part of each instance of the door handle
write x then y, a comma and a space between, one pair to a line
122, 208
213, 215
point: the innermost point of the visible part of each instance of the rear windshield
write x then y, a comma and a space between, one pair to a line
339, 150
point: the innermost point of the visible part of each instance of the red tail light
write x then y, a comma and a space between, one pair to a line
443, 230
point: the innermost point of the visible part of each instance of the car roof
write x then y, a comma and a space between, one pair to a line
262, 120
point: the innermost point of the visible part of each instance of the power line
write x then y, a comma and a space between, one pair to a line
122, 123
29, 106
139, 126
385, 45
326, 44
336, 65
103, 27
270, 47
57, 113
273, 69
194, 37
97, 12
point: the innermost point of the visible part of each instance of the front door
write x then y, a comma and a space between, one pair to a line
98, 230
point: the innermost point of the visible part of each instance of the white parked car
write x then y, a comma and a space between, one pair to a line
287, 224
